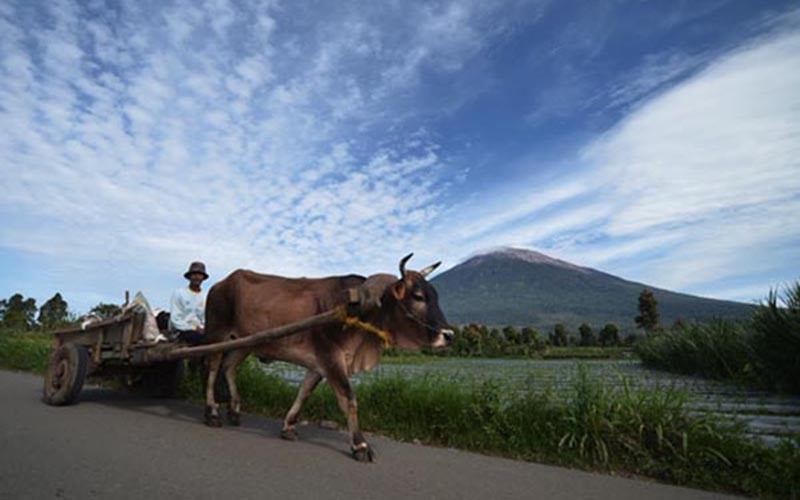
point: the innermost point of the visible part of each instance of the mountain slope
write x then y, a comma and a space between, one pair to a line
523, 287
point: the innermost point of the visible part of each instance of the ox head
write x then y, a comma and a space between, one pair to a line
410, 308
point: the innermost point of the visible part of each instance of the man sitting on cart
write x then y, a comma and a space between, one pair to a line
187, 311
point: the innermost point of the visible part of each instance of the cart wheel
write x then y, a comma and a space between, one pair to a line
66, 371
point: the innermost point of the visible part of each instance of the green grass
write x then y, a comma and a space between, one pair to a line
720, 350
548, 352
589, 425
585, 352
776, 339
396, 357
764, 351
24, 351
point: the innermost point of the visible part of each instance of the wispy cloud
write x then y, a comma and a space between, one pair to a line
696, 189
264, 135
140, 137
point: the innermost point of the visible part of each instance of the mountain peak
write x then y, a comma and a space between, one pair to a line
524, 255
515, 286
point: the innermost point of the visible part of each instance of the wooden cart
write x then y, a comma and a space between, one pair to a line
116, 347
109, 348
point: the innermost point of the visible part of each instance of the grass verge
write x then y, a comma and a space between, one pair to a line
26, 351
590, 425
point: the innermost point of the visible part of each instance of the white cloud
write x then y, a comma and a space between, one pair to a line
138, 141
698, 187
716, 159
656, 72
724, 139
248, 137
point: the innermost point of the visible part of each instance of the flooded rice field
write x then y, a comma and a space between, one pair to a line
766, 416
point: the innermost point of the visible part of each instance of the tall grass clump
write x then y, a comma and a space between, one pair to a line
776, 340
764, 351
720, 350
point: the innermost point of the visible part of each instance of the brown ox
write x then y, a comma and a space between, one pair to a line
246, 302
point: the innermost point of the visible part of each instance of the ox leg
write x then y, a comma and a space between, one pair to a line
212, 408
310, 383
229, 366
347, 403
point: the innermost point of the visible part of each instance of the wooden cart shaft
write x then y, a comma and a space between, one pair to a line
157, 355
121, 339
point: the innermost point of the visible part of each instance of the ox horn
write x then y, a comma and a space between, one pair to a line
428, 270
403, 264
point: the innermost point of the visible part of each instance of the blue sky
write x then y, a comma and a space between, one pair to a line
659, 141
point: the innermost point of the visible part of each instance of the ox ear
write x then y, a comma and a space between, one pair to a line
399, 290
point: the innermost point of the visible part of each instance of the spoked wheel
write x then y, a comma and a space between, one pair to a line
65, 374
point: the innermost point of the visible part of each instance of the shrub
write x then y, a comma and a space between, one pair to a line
720, 350
776, 339
764, 352
26, 351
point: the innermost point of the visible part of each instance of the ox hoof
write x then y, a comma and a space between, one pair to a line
234, 418
289, 434
363, 453
212, 420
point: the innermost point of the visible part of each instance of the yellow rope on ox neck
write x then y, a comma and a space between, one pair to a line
354, 321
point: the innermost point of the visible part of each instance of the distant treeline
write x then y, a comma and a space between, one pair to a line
474, 340
19, 313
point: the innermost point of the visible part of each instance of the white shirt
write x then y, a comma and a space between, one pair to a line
187, 309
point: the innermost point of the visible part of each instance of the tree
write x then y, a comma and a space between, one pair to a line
105, 311
493, 343
609, 335
648, 312
472, 337
18, 312
530, 337
53, 312
511, 335
559, 337
587, 335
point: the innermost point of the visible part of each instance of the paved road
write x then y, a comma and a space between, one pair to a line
113, 445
